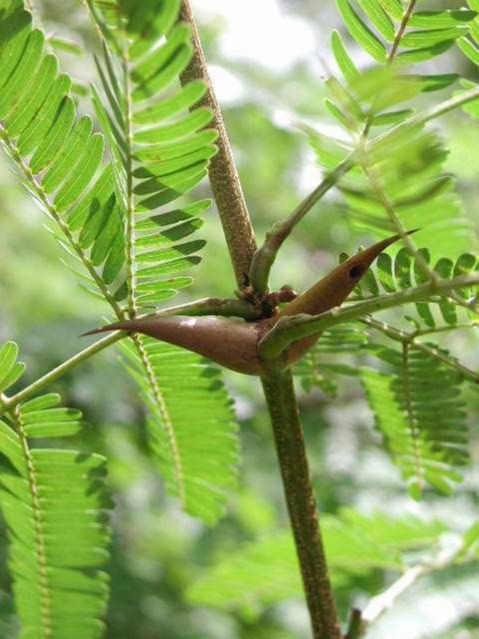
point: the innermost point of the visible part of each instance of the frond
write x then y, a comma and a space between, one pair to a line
374, 24
266, 571
192, 429
161, 148
408, 162
55, 503
59, 158
115, 220
421, 194
162, 140
419, 408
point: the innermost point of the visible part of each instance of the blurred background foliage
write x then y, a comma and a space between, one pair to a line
268, 62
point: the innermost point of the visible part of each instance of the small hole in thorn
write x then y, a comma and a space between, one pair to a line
355, 271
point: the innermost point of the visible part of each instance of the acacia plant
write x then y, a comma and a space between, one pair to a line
116, 191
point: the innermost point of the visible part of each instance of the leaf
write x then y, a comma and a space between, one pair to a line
469, 50
424, 53
379, 18
361, 32
343, 59
266, 571
431, 38
421, 415
393, 8
54, 503
58, 157
412, 179
8, 358
194, 440
441, 19
66, 45
171, 154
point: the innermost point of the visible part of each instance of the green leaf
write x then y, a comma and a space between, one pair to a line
393, 8
88, 163
419, 411
469, 50
431, 38
412, 177
266, 571
14, 33
64, 573
8, 358
441, 19
40, 125
51, 422
315, 370
379, 18
186, 98
24, 110
192, 123
436, 82
444, 268
425, 53
193, 440
68, 155
361, 32
57, 156
392, 117
15, 85
54, 506
66, 45
10, 369
52, 142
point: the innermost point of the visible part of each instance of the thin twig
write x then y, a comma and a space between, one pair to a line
402, 28
380, 604
403, 337
214, 306
223, 174
265, 256
8, 403
425, 116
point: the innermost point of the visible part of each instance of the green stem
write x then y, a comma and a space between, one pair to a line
411, 338
8, 403
214, 306
265, 256
425, 116
304, 517
291, 329
130, 202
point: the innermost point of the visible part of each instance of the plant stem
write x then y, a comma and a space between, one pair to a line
265, 256
130, 200
425, 116
8, 403
402, 28
223, 174
411, 338
291, 451
291, 329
